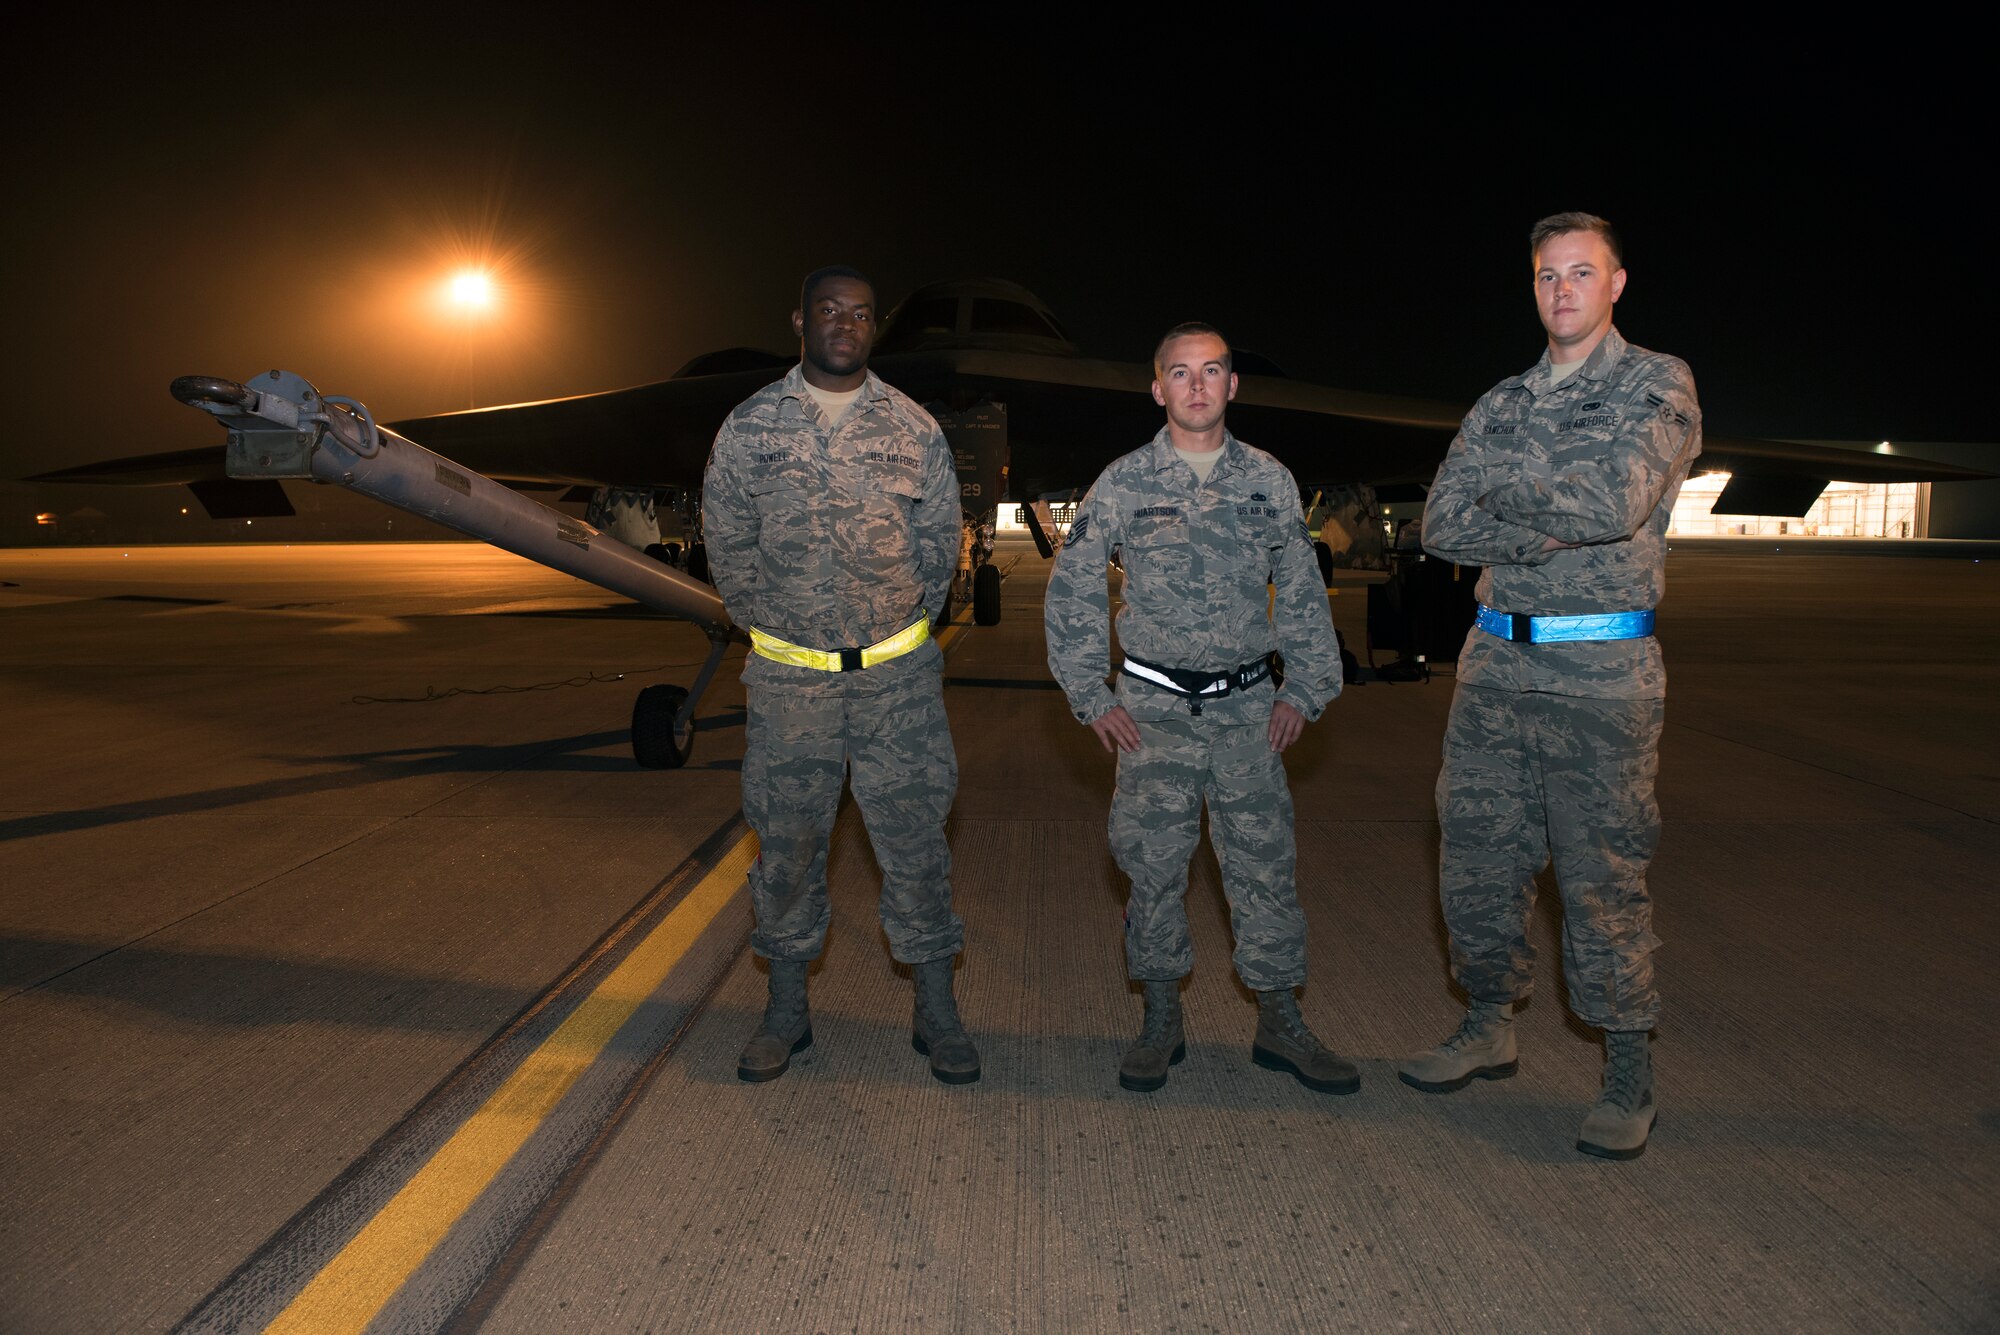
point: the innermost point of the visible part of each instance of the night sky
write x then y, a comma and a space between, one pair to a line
1804, 219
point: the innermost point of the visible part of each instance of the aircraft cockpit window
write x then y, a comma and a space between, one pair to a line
936, 315
993, 316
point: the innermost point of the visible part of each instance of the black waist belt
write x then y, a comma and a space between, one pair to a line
1194, 687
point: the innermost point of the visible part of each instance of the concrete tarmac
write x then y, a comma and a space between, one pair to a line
308, 854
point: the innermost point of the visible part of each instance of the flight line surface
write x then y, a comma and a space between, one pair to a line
309, 854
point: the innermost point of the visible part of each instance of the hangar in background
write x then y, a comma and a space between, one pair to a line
1865, 510
1843, 510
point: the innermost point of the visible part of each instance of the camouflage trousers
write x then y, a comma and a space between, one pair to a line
893, 737
1530, 777
1156, 823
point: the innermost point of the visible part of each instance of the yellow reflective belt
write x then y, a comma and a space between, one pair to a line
830, 660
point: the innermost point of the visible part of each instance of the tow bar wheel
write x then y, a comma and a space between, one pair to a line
656, 742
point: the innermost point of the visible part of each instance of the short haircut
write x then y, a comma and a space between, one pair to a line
818, 276
1559, 224
1183, 331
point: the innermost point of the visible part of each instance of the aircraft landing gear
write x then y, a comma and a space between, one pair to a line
986, 595
977, 575
629, 514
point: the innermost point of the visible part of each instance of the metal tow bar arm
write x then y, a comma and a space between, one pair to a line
281, 427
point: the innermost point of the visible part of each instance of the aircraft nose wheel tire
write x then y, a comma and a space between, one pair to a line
986, 595
1324, 555
655, 743
697, 565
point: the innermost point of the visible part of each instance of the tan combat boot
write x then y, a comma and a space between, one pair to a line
1283, 1043
1623, 1115
935, 1029
1481, 1049
787, 1026
1161, 1042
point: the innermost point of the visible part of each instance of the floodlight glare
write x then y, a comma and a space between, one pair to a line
472, 290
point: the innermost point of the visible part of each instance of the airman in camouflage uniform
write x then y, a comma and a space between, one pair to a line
833, 533
1560, 483
1203, 526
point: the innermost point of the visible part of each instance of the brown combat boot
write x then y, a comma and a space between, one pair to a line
1623, 1115
787, 1026
1283, 1043
1161, 1043
935, 1029
1481, 1049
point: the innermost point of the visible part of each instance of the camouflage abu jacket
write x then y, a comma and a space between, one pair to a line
1597, 460
831, 539
1198, 559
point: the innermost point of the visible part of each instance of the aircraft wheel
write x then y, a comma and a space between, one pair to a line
986, 595
655, 743
660, 552
698, 561
1325, 555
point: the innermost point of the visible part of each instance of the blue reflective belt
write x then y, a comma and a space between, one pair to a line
1552, 630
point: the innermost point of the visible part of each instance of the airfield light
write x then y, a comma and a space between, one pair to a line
471, 290
1885, 448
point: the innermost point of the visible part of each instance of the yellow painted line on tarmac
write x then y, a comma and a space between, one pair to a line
355, 1285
